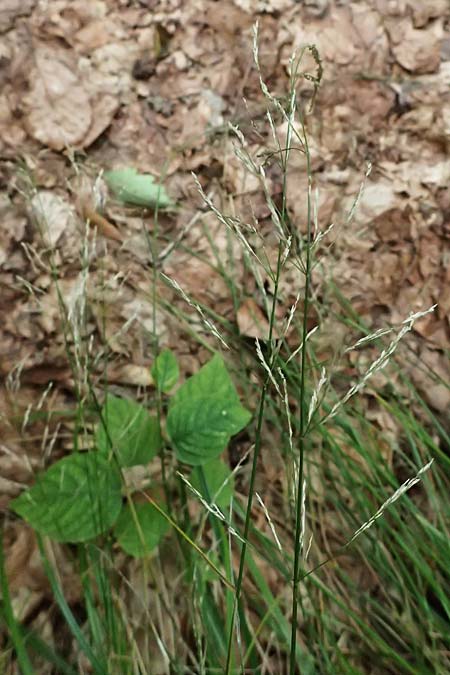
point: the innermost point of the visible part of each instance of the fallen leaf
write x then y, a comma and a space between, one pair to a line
104, 226
436, 393
316, 8
11, 10
104, 107
252, 321
377, 199
424, 11
269, 6
93, 35
394, 225
139, 189
53, 215
436, 174
58, 110
130, 373
12, 229
415, 50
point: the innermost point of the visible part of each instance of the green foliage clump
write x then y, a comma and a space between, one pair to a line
80, 496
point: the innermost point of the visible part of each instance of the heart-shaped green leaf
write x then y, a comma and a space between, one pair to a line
140, 532
204, 413
133, 433
77, 498
165, 371
219, 483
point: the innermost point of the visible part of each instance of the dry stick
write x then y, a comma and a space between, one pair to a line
104, 226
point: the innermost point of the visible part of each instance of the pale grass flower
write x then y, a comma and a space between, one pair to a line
269, 520
207, 323
407, 485
381, 361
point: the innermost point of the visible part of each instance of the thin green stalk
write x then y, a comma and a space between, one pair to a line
225, 553
14, 630
44, 651
302, 421
190, 542
98, 667
152, 246
256, 452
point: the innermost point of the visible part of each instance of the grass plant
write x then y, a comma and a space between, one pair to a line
323, 549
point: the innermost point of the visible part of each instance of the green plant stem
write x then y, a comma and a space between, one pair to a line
302, 423
16, 636
247, 521
190, 542
256, 452
97, 666
220, 536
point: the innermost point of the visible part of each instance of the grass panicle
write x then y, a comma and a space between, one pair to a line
323, 545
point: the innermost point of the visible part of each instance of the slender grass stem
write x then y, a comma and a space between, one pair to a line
10, 620
98, 666
224, 552
256, 452
302, 422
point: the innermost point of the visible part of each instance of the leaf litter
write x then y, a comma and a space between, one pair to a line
92, 87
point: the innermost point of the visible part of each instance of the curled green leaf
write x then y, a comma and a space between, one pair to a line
138, 189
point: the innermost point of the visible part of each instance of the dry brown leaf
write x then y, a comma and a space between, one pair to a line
341, 51
53, 215
377, 199
94, 35
436, 174
10, 10
98, 221
25, 569
12, 134
394, 225
230, 19
256, 6
58, 110
335, 35
12, 229
44, 373
251, 320
316, 8
436, 393
371, 99
207, 114
415, 50
423, 11
435, 333
199, 280
104, 107
131, 374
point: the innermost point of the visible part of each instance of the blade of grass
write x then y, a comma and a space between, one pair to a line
8, 614
98, 666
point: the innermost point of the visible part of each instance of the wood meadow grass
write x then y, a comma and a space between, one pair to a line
328, 558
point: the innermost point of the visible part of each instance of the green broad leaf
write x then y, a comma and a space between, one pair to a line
134, 434
140, 532
219, 482
77, 498
165, 371
139, 189
204, 413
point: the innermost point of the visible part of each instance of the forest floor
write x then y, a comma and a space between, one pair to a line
86, 87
